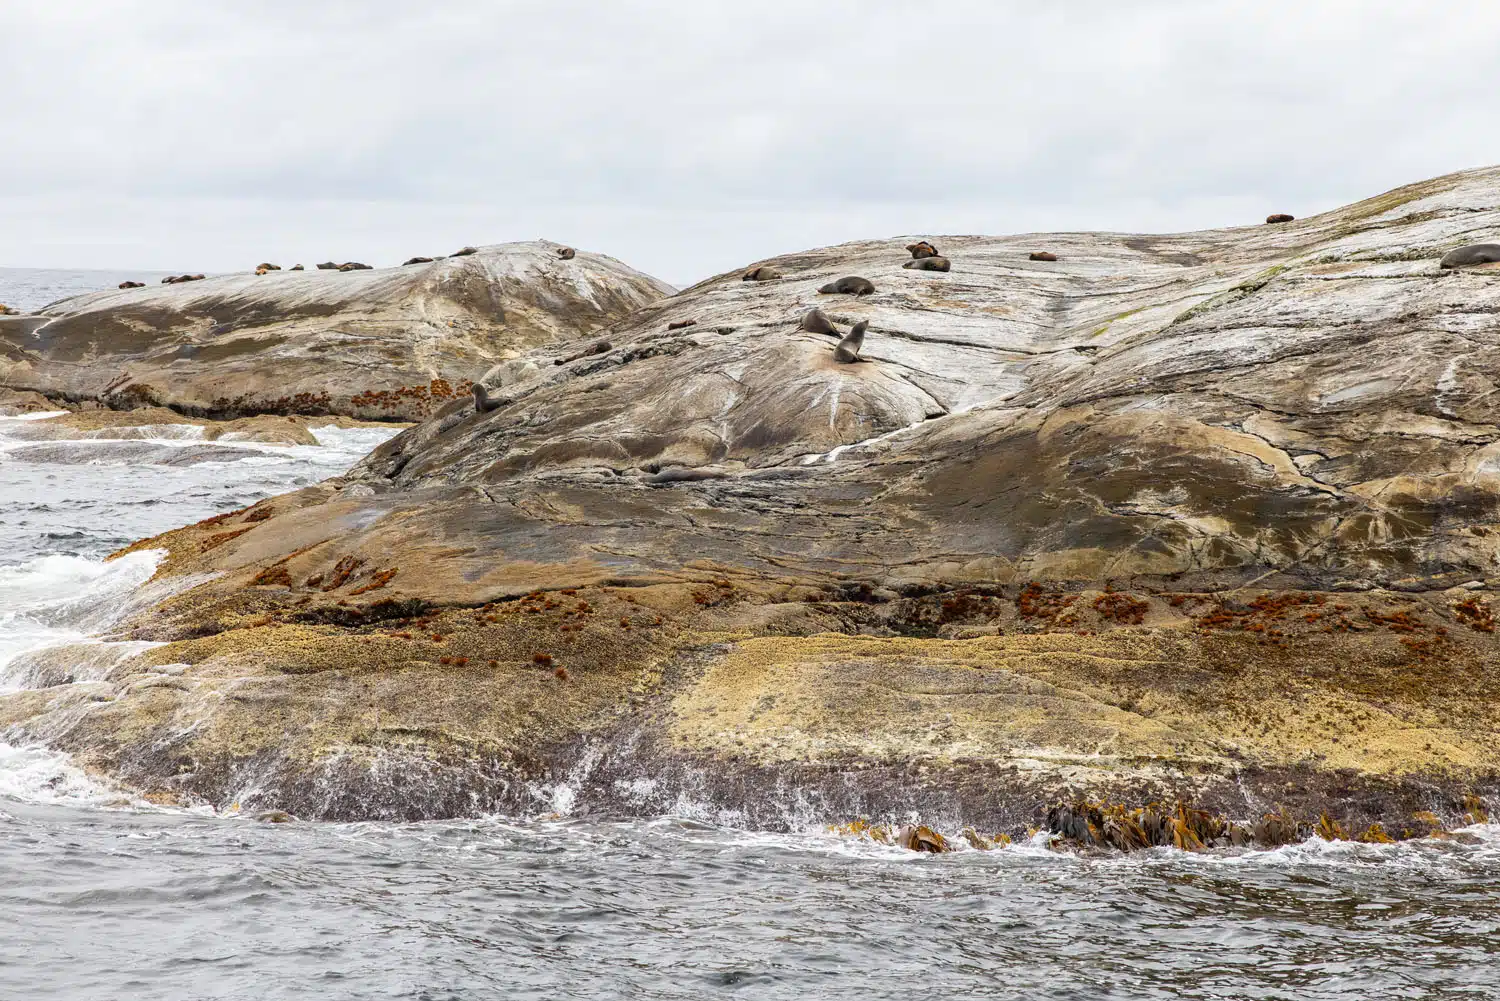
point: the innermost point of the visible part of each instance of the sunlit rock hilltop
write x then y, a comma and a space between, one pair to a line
384, 344
1211, 516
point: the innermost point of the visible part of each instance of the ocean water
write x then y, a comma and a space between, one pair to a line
106, 897
29, 289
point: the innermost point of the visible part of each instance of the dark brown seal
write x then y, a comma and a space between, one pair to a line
417, 260
354, 266
263, 266
848, 286
921, 250
1042, 255
1478, 253
465, 251
1279, 217
763, 273
296, 267
817, 322
482, 402
132, 284
328, 266
848, 349
566, 253
679, 324
927, 264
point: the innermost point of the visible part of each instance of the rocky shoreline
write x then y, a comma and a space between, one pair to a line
1208, 518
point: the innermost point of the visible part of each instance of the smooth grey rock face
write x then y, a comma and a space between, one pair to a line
385, 343
1316, 398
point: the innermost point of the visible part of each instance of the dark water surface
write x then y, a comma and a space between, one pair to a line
121, 904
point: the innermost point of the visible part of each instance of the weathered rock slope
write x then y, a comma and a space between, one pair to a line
385, 343
1212, 515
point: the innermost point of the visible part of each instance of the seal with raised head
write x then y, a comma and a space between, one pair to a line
817, 322
850, 285
921, 250
928, 264
848, 350
1042, 255
764, 273
566, 253
482, 402
1279, 217
1478, 253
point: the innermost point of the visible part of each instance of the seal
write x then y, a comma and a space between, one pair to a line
267, 267
1042, 255
482, 402
927, 264
417, 260
328, 266
566, 253
354, 266
848, 286
921, 250
817, 322
764, 273
1279, 217
297, 267
679, 324
465, 251
132, 284
1478, 253
848, 350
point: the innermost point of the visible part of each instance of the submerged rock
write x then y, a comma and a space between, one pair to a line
393, 343
1068, 536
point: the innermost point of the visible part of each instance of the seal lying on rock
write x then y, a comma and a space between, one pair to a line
1479, 253
927, 264
817, 322
132, 284
297, 267
921, 250
263, 266
465, 251
1279, 217
417, 260
848, 286
482, 402
355, 266
1042, 255
179, 279
679, 324
848, 350
764, 273
566, 253
328, 266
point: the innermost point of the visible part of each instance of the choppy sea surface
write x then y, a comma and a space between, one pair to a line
105, 897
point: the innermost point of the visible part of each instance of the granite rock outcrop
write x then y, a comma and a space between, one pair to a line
384, 344
1211, 517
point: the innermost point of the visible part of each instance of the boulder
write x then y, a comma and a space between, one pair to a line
1064, 536
392, 344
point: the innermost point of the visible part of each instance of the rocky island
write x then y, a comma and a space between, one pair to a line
387, 344
1209, 518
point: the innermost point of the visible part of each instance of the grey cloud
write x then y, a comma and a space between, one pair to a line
686, 138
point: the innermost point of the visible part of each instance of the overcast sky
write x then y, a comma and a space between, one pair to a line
687, 138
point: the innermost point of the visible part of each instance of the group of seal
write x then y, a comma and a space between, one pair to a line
925, 257
346, 266
815, 321
1478, 253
